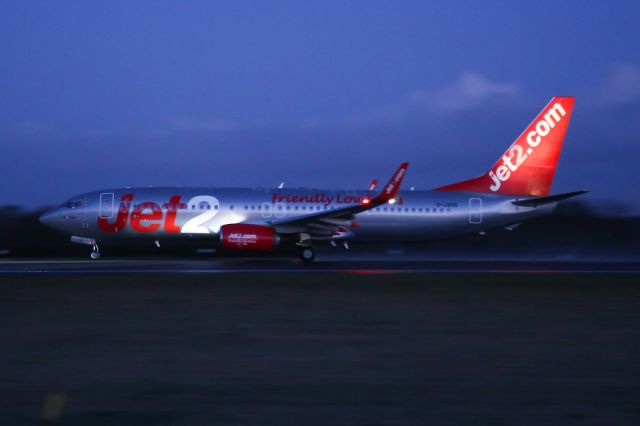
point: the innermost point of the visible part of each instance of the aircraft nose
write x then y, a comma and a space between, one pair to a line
50, 218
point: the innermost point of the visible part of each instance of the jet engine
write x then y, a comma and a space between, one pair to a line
240, 236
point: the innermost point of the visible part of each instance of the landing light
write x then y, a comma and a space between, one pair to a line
366, 201
392, 201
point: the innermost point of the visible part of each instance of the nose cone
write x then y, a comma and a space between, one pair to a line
50, 218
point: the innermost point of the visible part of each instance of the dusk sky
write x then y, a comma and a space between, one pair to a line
324, 94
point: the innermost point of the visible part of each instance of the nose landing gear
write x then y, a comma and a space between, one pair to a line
95, 252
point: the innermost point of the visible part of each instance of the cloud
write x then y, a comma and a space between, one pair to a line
470, 90
201, 125
310, 123
32, 128
622, 86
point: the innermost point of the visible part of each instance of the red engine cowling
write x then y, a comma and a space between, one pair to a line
248, 237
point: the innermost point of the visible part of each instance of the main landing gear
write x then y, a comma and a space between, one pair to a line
95, 252
307, 254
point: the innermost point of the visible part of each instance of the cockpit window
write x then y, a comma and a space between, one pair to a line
73, 204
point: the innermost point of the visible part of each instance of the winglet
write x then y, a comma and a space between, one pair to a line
391, 188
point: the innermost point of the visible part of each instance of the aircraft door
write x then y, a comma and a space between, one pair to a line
106, 205
475, 210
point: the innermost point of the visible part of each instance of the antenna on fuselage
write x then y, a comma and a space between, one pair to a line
281, 185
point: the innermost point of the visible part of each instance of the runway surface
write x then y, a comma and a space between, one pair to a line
288, 265
317, 348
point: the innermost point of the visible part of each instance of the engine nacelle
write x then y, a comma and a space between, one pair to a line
240, 236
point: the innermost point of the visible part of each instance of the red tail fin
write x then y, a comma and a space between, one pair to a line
528, 166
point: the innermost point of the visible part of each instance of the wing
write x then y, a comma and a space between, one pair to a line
338, 222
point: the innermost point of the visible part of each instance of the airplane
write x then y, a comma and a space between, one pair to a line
515, 189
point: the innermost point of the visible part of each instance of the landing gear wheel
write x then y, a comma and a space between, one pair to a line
95, 253
307, 254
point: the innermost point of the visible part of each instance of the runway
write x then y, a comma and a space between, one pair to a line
288, 265
313, 348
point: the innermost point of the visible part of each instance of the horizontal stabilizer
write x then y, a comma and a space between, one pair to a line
539, 201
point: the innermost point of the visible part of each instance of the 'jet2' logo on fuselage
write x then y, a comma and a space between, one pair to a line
149, 216
518, 154
145, 217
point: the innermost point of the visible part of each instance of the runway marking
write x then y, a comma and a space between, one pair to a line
288, 266
315, 271
53, 407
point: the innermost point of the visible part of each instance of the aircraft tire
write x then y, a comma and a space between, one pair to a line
307, 254
95, 253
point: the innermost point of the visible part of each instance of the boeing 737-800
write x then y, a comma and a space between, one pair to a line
515, 189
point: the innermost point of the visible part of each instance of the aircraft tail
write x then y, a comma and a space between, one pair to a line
528, 166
